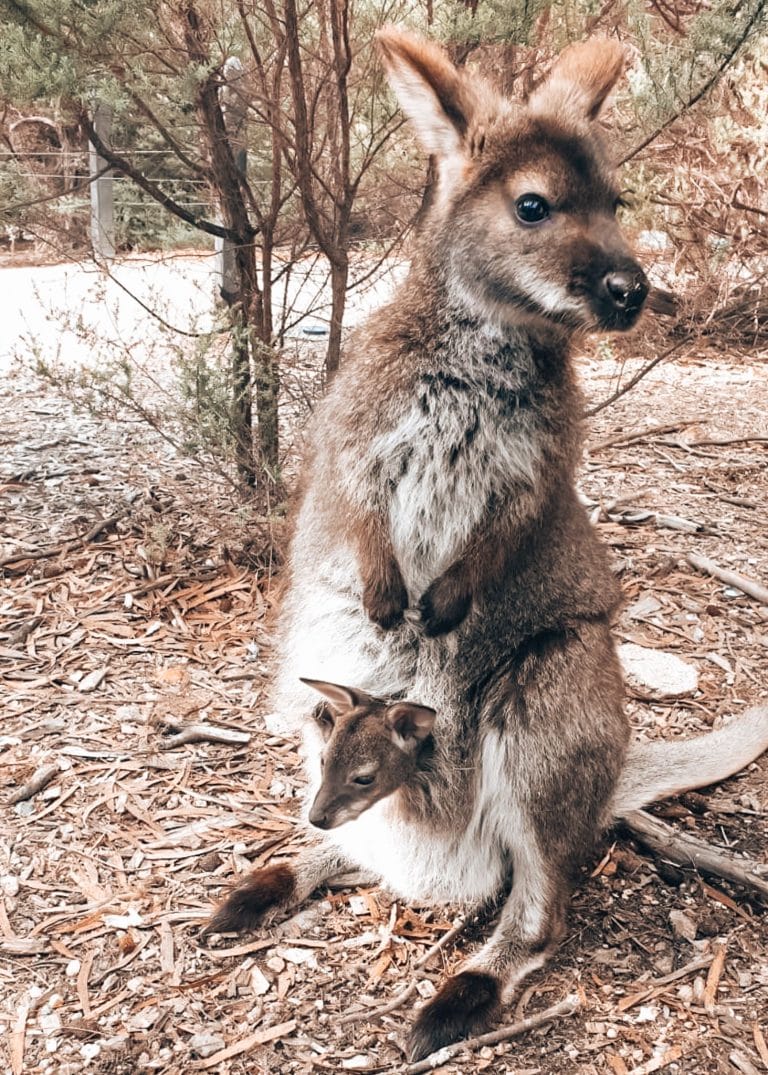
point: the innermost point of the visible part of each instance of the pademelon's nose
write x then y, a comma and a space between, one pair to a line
627, 290
320, 819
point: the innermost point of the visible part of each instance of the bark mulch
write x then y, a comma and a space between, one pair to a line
138, 778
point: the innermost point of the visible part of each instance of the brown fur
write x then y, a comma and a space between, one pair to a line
372, 750
262, 891
441, 552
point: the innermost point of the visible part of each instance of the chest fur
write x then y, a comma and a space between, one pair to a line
459, 450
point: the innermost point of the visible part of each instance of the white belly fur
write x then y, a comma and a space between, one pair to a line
453, 864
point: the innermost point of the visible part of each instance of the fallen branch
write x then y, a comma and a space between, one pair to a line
684, 850
720, 441
207, 733
641, 434
566, 1007
407, 993
66, 546
40, 779
656, 986
730, 578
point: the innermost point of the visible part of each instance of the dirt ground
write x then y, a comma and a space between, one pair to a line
129, 616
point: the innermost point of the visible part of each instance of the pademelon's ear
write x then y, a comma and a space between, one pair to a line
577, 85
438, 98
341, 698
409, 724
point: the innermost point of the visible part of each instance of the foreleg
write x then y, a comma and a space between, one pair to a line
385, 597
271, 889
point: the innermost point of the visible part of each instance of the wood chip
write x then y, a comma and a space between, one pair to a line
18, 1033
713, 977
260, 1037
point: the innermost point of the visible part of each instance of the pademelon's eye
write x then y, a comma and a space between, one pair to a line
531, 208
363, 781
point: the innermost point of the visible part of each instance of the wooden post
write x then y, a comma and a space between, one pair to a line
102, 196
235, 116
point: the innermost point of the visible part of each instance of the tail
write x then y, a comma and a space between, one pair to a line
656, 770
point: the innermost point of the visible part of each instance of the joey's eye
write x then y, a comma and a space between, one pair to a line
363, 781
531, 209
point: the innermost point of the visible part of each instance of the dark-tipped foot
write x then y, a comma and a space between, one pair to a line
246, 905
467, 1004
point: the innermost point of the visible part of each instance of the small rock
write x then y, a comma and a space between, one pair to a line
663, 674
358, 905
205, 1044
49, 1022
73, 968
90, 1050
9, 885
143, 1020
259, 984
357, 1063
276, 964
299, 956
426, 988
93, 680
123, 921
647, 1013
682, 925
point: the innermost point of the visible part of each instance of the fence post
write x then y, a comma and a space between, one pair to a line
235, 116
102, 189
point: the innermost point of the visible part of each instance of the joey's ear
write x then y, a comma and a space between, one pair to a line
409, 724
341, 698
437, 97
580, 80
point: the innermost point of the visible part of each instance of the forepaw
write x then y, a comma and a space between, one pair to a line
444, 606
248, 903
466, 1004
386, 600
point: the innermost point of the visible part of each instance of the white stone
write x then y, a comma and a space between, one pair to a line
9, 885
206, 1044
663, 674
299, 956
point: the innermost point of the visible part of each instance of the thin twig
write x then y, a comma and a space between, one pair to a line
66, 546
406, 994
590, 411
641, 434
704, 89
566, 1007
730, 578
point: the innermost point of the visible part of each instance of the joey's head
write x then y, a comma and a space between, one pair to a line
522, 227
371, 749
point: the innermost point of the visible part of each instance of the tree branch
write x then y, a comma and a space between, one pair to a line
704, 89
122, 165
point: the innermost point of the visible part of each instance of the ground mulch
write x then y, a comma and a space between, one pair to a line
135, 629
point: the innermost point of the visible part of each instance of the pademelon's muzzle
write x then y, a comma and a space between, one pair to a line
620, 296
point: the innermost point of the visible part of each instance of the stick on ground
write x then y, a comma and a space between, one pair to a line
566, 1007
730, 578
684, 850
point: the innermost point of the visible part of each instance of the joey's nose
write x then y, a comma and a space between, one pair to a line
319, 818
627, 290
